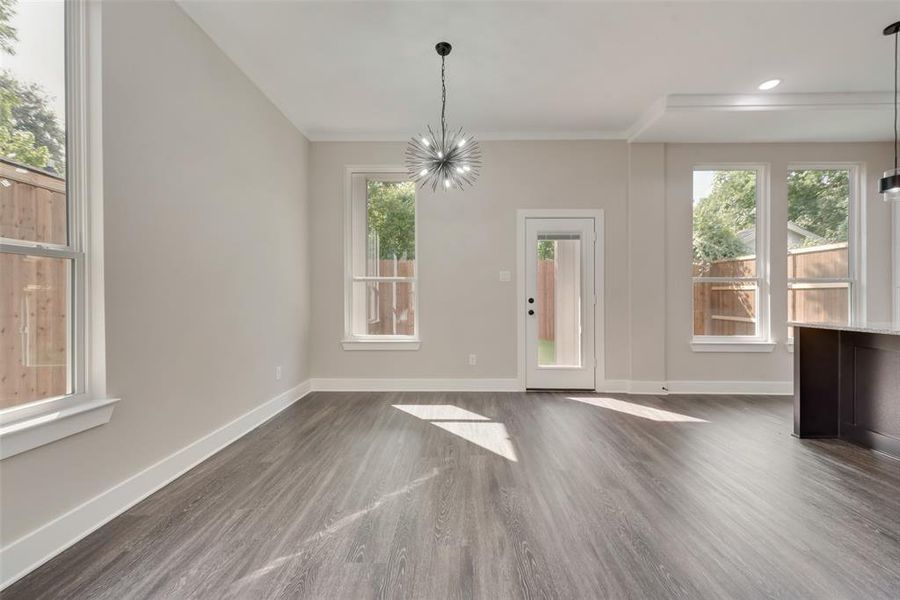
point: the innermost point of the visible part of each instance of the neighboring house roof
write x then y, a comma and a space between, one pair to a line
797, 236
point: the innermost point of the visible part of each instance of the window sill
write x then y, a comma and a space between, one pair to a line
726, 346
381, 344
38, 430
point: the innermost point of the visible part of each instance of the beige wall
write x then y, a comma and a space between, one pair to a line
206, 260
682, 363
465, 239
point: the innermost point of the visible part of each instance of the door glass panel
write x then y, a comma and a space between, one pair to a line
558, 302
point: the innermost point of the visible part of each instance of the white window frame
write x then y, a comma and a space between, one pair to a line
762, 340
855, 240
352, 341
37, 423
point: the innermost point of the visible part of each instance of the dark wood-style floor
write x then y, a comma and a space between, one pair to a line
507, 496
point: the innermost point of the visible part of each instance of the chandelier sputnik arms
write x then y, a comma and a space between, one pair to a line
443, 160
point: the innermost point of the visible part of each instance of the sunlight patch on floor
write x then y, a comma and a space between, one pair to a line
470, 426
637, 410
443, 412
490, 436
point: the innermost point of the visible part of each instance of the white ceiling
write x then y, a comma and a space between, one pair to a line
368, 70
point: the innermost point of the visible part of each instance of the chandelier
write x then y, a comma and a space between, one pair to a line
445, 160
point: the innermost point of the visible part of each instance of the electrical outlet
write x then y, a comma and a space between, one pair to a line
278, 373
473, 359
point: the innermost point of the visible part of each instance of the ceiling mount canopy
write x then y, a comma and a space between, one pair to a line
443, 159
889, 185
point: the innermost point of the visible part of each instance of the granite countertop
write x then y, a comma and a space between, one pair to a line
883, 327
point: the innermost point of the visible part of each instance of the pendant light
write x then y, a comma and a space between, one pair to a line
889, 185
443, 160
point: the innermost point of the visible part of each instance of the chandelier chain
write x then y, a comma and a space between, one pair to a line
444, 101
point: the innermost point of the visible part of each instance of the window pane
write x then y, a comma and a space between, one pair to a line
35, 300
32, 205
725, 308
818, 223
819, 302
390, 228
390, 307
724, 224
32, 123
558, 301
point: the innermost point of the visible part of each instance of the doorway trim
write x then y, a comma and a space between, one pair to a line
522, 215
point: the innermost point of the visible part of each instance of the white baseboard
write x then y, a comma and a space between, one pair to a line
609, 386
613, 386
658, 388
37, 547
416, 385
661, 388
732, 387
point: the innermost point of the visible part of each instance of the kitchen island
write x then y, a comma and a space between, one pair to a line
847, 383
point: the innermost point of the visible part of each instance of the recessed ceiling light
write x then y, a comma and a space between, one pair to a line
770, 84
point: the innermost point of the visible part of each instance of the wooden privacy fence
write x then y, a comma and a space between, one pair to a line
730, 308
546, 286
391, 307
34, 291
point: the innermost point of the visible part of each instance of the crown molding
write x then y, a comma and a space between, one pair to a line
495, 136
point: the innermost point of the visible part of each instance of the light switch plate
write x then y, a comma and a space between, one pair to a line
505, 276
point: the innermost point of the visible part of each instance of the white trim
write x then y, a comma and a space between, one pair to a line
37, 547
857, 243
415, 385
484, 136
608, 386
772, 102
380, 344
349, 337
26, 434
599, 284
765, 388
658, 388
725, 346
647, 119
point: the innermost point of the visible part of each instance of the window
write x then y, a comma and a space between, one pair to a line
820, 260
41, 255
729, 250
381, 278
45, 191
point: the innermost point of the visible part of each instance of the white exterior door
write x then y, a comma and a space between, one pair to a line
560, 299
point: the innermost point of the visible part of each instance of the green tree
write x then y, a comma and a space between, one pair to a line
8, 33
729, 209
27, 115
30, 132
818, 202
17, 144
392, 215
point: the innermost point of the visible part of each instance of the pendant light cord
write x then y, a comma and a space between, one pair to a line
444, 105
